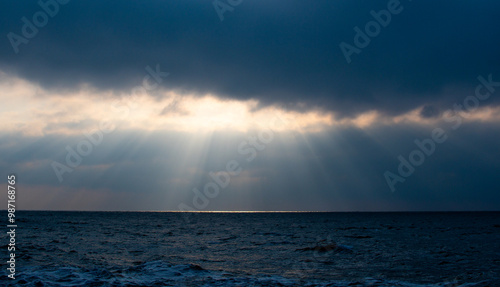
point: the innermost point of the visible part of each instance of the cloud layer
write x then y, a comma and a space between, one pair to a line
281, 52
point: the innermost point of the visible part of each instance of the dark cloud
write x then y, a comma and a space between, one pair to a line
282, 52
174, 108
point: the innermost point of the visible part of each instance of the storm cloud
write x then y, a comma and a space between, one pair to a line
279, 52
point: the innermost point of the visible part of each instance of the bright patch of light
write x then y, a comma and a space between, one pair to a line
29, 109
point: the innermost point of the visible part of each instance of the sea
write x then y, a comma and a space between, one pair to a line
55, 248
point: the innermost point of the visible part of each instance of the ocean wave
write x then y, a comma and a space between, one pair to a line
161, 273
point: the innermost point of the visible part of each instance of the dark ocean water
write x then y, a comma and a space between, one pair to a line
255, 249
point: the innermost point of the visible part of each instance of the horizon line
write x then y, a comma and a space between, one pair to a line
258, 211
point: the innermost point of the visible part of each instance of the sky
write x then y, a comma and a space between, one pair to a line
233, 105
